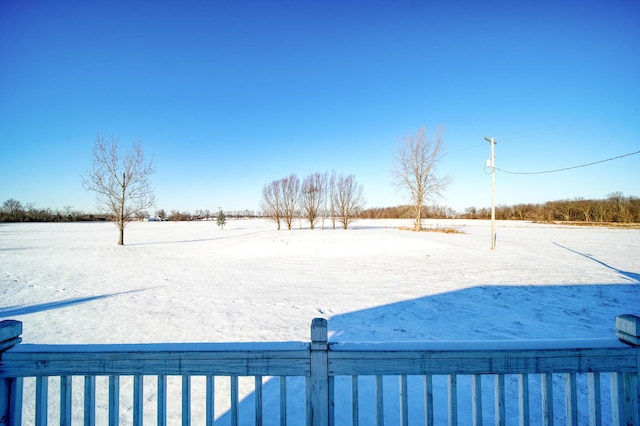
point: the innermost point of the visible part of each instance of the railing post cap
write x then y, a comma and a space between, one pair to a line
319, 330
628, 329
10, 331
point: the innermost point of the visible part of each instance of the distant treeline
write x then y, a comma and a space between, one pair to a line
615, 208
14, 211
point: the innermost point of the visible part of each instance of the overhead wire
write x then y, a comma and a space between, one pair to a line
568, 168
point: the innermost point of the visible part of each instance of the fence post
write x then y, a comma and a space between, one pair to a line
628, 330
10, 332
319, 373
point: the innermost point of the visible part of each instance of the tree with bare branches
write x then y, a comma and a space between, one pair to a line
290, 187
415, 167
120, 181
348, 199
272, 201
312, 195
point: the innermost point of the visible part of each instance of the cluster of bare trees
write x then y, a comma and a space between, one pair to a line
318, 197
615, 208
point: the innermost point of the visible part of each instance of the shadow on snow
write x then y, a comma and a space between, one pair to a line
10, 311
501, 312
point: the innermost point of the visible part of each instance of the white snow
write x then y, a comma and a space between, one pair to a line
193, 282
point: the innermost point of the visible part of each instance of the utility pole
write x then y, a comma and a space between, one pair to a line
493, 193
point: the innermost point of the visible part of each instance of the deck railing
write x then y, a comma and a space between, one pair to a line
324, 383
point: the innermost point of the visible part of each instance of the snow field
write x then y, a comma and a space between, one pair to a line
192, 282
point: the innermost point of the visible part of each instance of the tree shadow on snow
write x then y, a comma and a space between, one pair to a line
11, 311
631, 275
500, 312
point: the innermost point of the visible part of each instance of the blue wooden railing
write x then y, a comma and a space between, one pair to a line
326, 383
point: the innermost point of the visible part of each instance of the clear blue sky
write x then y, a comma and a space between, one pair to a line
228, 96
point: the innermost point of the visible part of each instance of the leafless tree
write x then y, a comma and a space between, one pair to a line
272, 201
290, 189
331, 192
414, 170
348, 199
13, 209
120, 181
312, 195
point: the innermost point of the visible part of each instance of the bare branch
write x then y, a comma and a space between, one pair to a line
415, 168
120, 181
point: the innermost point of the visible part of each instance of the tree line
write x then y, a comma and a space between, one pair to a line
615, 208
318, 197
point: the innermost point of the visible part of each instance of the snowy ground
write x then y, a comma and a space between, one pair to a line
193, 282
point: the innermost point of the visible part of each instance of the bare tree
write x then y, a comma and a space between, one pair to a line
120, 181
290, 188
331, 196
272, 201
312, 195
414, 170
13, 209
348, 199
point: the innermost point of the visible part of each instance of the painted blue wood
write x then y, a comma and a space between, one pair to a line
65, 400
42, 400
319, 363
476, 399
162, 401
523, 400
595, 405
210, 396
138, 400
114, 400
499, 400
186, 400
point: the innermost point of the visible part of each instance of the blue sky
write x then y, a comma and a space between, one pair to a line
228, 96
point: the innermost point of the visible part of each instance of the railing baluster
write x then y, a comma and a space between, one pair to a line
379, 400
404, 402
595, 405
332, 402
631, 397
283, 400
42, 400
523, 399
452, 386
428, 400
138, 400
162, 400
186, 400
617, 399
234, 400
355, 401
65, 400
499, 400
90, 401
476, 399
546, 380
211, 400
15, 387
258, 400
114, 400
571, 399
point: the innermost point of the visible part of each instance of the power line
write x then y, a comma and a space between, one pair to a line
568, 168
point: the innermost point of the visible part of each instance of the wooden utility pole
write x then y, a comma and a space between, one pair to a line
493, 193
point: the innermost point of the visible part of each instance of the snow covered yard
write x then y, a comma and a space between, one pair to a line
192, 282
